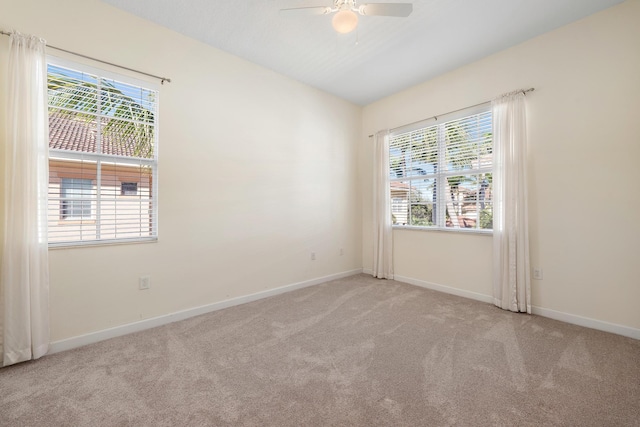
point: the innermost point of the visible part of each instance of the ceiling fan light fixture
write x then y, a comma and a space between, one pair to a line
345, 21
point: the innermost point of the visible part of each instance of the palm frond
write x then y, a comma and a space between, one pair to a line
128, 127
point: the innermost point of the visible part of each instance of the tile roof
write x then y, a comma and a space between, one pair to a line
67, 132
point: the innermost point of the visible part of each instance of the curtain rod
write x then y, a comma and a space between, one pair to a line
454, 111
162, 79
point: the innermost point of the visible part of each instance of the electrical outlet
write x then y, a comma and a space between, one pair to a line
313, 256
341, 251
537, 273
144, 282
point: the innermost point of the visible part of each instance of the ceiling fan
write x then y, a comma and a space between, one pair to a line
345, 19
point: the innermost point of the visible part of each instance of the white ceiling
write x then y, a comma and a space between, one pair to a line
392, 54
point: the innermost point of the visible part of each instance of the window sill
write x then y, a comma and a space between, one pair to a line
96, 243
445, 230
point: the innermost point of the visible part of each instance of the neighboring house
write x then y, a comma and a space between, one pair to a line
399, 203
74, 209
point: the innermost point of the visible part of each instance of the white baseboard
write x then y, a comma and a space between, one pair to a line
446, 289
436, 287
587, 322
540, 311
93, 337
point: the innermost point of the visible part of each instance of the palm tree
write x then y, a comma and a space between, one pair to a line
126, 121
462, 150
421, 148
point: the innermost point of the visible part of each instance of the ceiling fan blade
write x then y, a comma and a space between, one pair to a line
306, 11
386, 9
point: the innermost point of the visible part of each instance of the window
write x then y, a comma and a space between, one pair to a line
129, 189
102, 157
75, 202
441, 172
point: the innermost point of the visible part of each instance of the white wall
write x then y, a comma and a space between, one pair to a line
256, 171
584, 147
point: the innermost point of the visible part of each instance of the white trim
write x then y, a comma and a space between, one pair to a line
79, 156
480, 231
105, 334
446, 289
573, 319
587, 322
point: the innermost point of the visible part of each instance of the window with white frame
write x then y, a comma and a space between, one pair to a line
75, 198
441, 172
103, 157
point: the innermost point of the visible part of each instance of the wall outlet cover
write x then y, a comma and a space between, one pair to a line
537, 273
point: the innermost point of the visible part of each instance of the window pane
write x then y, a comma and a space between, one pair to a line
414, 153
121, 215
423, 157
486, 216
400, 202
78, 100
76, 198
398, 148
464, 191
469, 201
129, 189
72, 90
122, 100
73, 200
468, 142
423, 199
485, 201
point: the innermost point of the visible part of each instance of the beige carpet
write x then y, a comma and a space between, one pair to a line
352, 352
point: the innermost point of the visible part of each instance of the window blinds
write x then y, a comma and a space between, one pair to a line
440, 174
102, 158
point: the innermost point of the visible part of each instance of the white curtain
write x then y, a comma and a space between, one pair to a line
382, 233
511, 275
24, 281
